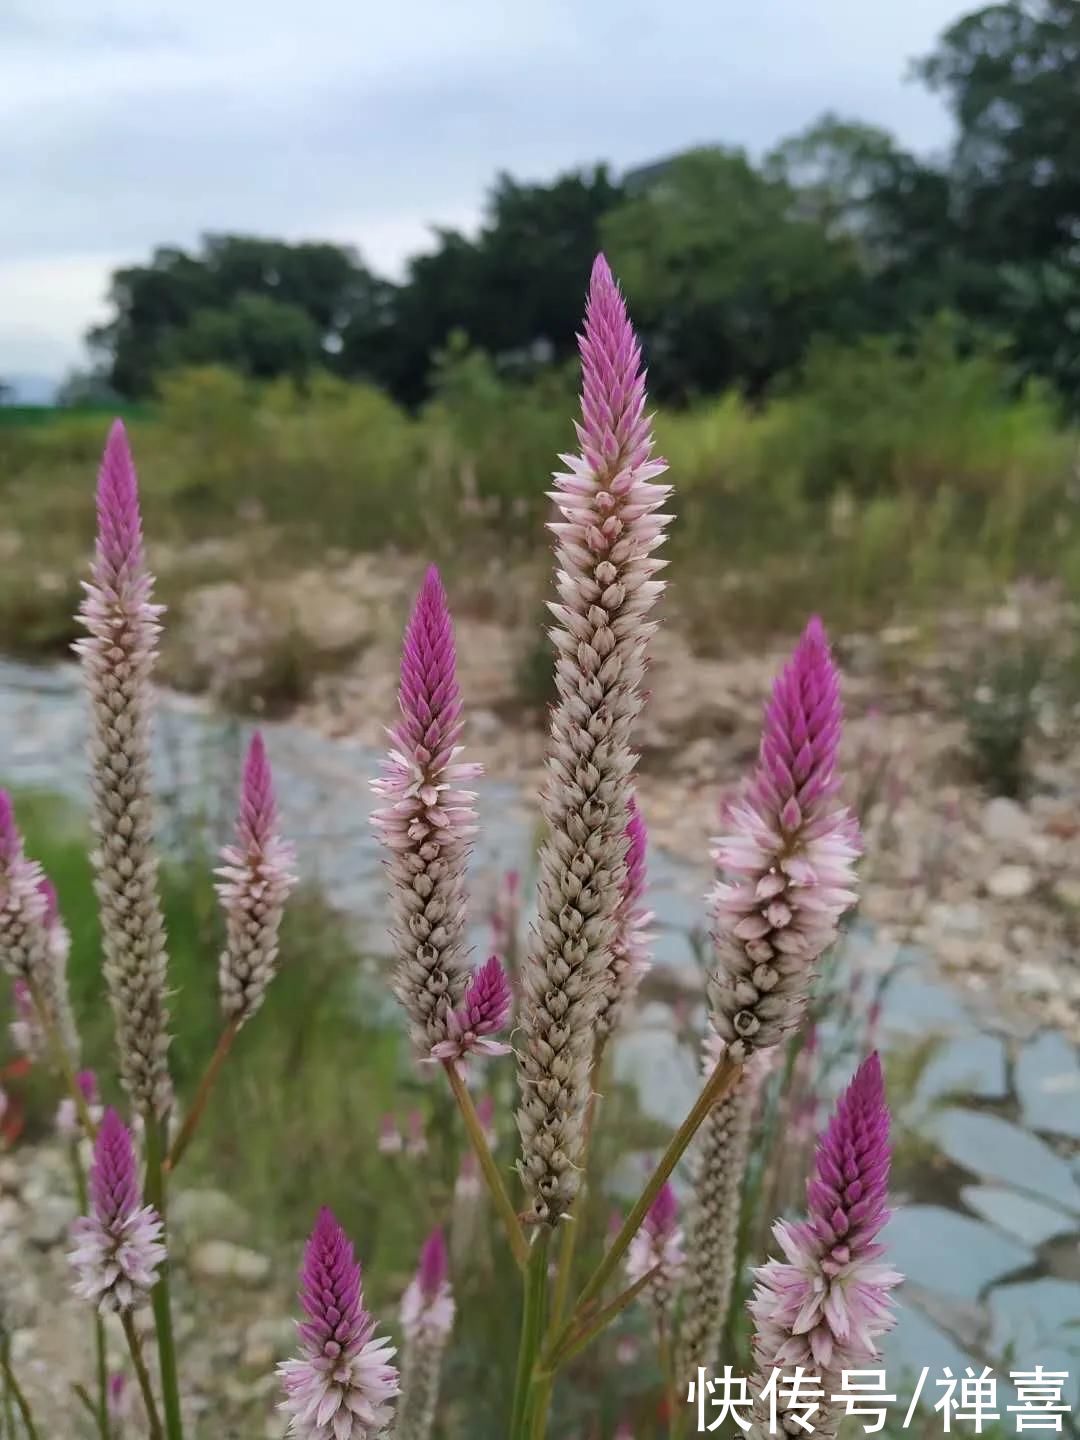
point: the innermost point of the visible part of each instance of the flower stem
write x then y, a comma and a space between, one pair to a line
155, 1195
101, 1410
514, 1233
533, 1306
202, 1094
715, 1088
593, 1326
135, 1346
13, 1391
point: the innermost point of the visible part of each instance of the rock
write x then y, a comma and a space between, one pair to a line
1067, 892
1006, 822
267, 1341
50, 1220
1011, 882
208, 1215
222, 1260
965, 918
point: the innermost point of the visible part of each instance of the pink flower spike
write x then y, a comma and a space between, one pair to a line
118, 1245
427, 1307
341, 1385
428, 822
825, 1306
658, 1246
68, 1124
255, 879
485, 1012
787, 863
391, 1140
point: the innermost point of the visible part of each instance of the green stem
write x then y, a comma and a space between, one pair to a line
8, 1396
101, 1410
14, 1392
141, 1373
202, 1095
553, 1358
155, 1195
716, 1087
514, 1233
533, 1306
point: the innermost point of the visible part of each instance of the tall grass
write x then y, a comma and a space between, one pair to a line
882, 477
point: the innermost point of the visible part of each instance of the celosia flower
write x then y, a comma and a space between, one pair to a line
255, 879
825, 1307
428, 823
789, 859
117, 1246
630, 948
121, 1400
33, 944
485, 1113
68, 1124
427, 1317
505, 917
416, 1144
117, 658
612, 523
341, 1386
484, 1012
723, 1151
658, 1246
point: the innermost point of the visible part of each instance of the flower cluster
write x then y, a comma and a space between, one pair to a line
657, 1251
428, 822
118, 1245
254, 881
118, 656
787, 861
827, 1304
612, 524
427, 1317
341, 1385
484, 1012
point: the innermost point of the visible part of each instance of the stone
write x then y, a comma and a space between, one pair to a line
1005, 822
997, 1149
50, 1220
1048, 1083
267, 1341
1027, 1220
1011, 882
205, 1214
222, 1260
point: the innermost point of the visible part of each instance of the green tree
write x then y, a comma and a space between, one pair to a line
255, 335
729, 280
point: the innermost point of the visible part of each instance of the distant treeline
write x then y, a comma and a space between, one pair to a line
734, 267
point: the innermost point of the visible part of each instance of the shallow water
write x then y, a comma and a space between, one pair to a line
987, 1229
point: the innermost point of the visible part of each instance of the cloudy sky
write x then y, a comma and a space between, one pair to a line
128, 123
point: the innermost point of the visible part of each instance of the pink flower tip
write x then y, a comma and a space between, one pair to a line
88, 1087
119, 522
114, 1179
10, 840
664, 1211
484, 1013
258, 804
434, 1264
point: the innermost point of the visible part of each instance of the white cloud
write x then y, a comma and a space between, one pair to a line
131, 123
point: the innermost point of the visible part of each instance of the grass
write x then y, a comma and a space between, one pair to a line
881, 479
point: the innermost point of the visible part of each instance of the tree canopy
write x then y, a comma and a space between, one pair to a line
736, 267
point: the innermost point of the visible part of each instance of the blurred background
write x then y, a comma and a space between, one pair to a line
328, 263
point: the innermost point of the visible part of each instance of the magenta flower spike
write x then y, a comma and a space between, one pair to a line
630, 949
427, 1307
428, 822
117, 657
612, 522
341, 1385
826, 1305
118, 1246
68, 1125
34, 945
485, 1011
254, 882
787, 863
658, 1246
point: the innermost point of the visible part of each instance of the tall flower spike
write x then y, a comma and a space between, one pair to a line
787, 862
117, 658
723, 1151
427, 1317
254, 881
658, 1246
484, 1012
612, 523
68, 1126
826, 1307
630, 949
341, 1385
118, 1245
428, 823
33, 942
